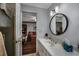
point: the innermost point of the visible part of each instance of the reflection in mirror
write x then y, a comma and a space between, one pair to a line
58, 24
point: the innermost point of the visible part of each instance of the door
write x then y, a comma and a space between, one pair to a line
58, 28
18, 30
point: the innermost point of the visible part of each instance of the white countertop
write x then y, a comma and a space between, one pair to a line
56, 49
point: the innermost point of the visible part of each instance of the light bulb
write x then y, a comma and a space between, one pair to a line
51, 13
56, 9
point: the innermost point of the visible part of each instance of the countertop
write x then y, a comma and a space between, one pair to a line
56, 49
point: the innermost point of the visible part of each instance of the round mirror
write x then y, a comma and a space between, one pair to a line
58, 24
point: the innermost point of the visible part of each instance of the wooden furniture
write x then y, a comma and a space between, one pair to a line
30, 46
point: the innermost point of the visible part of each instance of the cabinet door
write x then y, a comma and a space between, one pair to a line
42, 50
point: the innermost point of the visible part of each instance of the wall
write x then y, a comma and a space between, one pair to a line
30, 27
42, 19
30, 22
72, 12
28, 16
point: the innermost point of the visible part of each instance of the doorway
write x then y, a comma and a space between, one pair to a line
59, 28
28, 33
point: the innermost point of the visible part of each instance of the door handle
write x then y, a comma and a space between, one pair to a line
18, 41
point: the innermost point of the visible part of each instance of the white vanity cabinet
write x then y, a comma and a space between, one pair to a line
42, 51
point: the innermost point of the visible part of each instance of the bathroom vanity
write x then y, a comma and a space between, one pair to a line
46, 48
43, 48
58, 26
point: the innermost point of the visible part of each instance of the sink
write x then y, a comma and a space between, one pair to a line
49, 42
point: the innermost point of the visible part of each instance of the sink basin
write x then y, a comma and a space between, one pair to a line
49, 42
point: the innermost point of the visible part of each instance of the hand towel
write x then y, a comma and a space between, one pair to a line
2, 46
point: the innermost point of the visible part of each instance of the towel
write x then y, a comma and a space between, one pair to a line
68, 48
2, 46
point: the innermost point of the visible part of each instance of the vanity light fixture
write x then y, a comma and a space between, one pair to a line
52, 12
57, 9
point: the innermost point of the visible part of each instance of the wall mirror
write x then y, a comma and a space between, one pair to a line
58, 24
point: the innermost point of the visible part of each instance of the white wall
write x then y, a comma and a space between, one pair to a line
31, 27
53, 25
28, 16
42, 19
72, 12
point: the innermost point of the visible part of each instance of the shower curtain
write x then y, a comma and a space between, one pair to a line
2, 46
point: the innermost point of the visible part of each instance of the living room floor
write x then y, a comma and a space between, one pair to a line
29, 46
32, 54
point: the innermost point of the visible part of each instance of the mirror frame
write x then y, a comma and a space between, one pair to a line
65, 19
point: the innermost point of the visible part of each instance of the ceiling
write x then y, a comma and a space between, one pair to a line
39, 5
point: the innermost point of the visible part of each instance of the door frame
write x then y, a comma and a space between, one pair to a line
31, 22
18, 30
